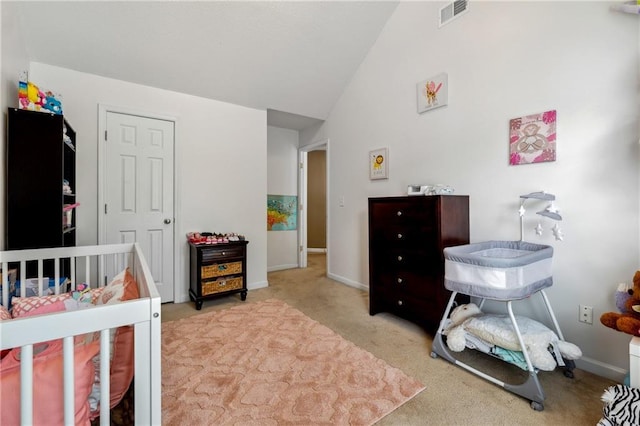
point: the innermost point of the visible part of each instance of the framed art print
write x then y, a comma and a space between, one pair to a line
433, 92
379, 164
532, 138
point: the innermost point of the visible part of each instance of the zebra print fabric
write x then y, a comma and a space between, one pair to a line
622, 406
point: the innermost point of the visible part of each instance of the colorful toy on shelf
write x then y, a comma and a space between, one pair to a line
66, 138
31, 97
66, 188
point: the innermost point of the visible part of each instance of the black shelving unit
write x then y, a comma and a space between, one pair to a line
39, 159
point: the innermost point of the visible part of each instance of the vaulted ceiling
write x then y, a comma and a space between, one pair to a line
293, 59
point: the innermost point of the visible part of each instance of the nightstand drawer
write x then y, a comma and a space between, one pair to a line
221, 253
220, 269
220, 285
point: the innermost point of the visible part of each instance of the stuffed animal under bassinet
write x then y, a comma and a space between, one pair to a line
469, 327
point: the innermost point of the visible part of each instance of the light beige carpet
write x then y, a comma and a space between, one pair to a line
267, 363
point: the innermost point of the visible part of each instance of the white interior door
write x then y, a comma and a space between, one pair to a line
138, 191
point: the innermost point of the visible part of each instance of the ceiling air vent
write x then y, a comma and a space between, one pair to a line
451, 11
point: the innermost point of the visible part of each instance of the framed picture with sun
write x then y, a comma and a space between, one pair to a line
379, 164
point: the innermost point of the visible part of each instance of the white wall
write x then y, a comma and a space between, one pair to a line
220, 161
282, 178
504, 60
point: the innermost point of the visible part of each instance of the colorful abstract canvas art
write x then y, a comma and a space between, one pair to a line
282, 212
532, 138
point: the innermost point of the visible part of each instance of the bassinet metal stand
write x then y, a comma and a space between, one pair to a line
505, 256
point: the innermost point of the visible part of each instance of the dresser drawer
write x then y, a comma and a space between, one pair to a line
400, 302
404, 236
392, 259
418, 285
408, 214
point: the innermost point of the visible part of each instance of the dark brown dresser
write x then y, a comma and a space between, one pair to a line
218, 270
406, 263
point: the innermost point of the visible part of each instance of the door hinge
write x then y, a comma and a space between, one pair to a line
105, 135
300, 249
302, 165
301, 206
105, 208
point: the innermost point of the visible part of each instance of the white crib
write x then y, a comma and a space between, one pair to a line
89, 263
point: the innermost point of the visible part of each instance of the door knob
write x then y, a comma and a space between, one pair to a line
167, 221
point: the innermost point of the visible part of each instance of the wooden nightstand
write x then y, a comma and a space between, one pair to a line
218, 270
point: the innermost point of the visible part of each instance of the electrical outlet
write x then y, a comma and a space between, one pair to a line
585, 314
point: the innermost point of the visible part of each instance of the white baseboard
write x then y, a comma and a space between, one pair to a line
601, 369
348, 282
316, 250
257, 285
281, 267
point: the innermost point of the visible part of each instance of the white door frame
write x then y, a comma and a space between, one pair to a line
302, 191
103, 109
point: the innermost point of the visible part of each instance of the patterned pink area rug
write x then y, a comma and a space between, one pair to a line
267, 363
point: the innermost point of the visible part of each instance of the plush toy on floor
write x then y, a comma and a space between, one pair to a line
497, 330
628, 319
621, 406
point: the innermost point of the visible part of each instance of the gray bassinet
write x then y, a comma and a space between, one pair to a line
498, 270
503, 271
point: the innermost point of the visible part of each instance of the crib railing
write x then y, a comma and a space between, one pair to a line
142, 313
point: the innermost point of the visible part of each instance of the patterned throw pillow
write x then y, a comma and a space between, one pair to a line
122, 287
4, 313
95, 294
21, 306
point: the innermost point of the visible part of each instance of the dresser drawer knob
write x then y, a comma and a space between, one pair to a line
399, 213
399, 236
224, 254
399, 258
399, 280
399, 302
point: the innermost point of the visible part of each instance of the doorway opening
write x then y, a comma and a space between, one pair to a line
314, 203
